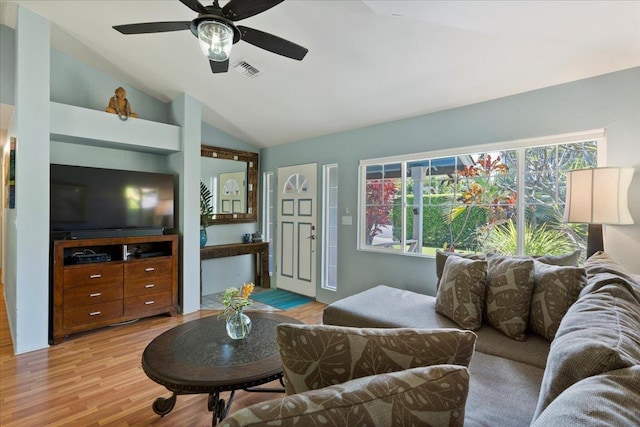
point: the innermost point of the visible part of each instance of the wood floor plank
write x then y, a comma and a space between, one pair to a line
96, 379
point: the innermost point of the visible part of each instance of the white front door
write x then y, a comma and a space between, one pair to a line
297, 211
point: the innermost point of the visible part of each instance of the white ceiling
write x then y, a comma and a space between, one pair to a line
369, 61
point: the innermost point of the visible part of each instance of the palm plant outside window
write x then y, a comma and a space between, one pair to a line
505, 200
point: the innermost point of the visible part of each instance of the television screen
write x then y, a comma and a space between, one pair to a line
92, 199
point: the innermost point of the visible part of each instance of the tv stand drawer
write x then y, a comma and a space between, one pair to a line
92, 294
150, 267
145, 303
146, 286
92, 274
92, 314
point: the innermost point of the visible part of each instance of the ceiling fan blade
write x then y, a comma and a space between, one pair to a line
219, 67
272, 43
194, 5
236, 10
152, 27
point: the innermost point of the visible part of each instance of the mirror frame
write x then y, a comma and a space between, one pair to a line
251, 159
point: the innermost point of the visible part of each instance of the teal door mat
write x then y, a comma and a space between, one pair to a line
279, 298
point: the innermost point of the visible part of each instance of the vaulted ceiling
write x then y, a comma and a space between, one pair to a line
369, 61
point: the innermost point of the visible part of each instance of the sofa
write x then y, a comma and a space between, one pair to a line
570, 355
544, 343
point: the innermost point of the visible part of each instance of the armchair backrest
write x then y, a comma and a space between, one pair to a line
317, 356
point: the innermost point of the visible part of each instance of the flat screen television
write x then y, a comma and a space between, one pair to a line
91, 202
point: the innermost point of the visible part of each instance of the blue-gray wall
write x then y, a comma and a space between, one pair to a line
7, 65
610, 101
78, 84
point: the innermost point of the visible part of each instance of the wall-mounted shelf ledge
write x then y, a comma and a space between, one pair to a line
98, 128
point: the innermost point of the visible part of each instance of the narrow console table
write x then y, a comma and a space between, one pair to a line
260, 262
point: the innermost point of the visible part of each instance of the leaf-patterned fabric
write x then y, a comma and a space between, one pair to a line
461, 292
510, 283
423, 396
568, 259
556, 289
316, 356
443, 256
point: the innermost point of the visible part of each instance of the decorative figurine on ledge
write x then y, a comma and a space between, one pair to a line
119, 105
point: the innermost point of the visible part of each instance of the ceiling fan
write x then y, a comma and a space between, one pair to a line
216, 32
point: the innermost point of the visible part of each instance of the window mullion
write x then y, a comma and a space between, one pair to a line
520, 200
404, 204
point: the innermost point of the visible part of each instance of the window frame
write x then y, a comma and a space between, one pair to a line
268, 214
598, 135
327, 225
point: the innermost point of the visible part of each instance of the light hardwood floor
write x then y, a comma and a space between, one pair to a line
95, 378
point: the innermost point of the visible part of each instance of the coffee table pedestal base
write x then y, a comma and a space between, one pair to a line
218, 406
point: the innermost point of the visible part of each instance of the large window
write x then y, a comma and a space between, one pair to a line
506, 198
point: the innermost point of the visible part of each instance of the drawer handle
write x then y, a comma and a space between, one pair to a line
97, 294
95, 276
95, 313
149, 302
150, 285
149, 269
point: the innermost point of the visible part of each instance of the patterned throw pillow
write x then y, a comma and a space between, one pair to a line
510, 283
462, 291
556, 289
425, 396
317, 356
442, 256
569, 259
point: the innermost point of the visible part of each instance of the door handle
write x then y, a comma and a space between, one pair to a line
313, 236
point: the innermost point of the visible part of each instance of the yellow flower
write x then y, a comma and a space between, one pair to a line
247, 289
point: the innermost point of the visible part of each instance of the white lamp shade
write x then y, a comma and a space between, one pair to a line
598, 196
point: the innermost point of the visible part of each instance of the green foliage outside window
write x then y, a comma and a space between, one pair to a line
474, 207
538, 240
435, 231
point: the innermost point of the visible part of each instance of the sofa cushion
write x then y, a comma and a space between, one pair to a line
316, 356
386, 307
434, 396
599, 333
510, 282
570, 259
603, 270
556, 289
462, 291
502, 392
373, 309
610, 399
533, 351
442, 256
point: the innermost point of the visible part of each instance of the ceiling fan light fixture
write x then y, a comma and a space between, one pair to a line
216, 39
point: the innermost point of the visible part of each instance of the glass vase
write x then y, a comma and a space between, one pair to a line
203, 237
238, 325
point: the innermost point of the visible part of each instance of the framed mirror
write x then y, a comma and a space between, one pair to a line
231, 176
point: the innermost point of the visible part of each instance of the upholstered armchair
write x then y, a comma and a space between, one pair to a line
340, 376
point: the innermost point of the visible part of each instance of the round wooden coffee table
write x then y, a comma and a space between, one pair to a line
198, 357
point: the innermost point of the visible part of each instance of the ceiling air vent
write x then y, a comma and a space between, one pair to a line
243, 67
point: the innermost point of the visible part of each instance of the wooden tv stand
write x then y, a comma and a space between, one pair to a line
139, 280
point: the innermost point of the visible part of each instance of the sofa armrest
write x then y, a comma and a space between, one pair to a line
434, 395
317, 356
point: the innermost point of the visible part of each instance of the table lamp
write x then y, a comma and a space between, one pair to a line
598, 196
